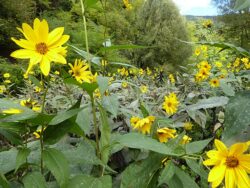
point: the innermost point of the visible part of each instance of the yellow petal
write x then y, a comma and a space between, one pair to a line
210, 162
238, 149
43, 31
216, 173
36, 25
220, 145
58, 58
29, 33
230, 178
24, 43
55, 35
23, 54
33, 61
243, 180
60, 42
45, 66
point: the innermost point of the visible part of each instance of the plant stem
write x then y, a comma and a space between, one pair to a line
95, 127
86, 34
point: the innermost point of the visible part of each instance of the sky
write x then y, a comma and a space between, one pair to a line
196, 7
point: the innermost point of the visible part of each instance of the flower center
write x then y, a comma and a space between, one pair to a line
77, 73
41, 48
232, 162
169, 104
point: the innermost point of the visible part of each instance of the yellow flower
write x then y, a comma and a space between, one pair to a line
123, 72
38, 132
80, 71
197, 51
214, 82
218, 64
245, 60
37, 89
104, 63
144, 89
40, 45
204, 48
142, 125
12, 111
236, 62
149, 72
170, 104
171, 78
127, 5
186, 139
141, 71
31, 104
188, 126
207, 23
6, 75
165, 133
7, 81
2, 89
57, 72
229, 164
202, 74
124, 84
204, 65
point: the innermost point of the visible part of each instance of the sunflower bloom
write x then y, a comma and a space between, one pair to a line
142, 125
41, 46
170, 104
214, 82
31, 104
229, 164
80, 71
165, 133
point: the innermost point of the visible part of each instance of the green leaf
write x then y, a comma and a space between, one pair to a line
140, 141
175, 182
139, 174
227, 88
143, 110
3, 182
103, 83
105, 135
81, 181
199, 117
9, 155
237, 118
167, 173
11, 136
21, 157
111, 104
90, 3
35, 81
53, 134
122, 64
56, 162
197, 146
208, 103
34, 180
241, 4
83, 119
186, 180
197, 168
61, 117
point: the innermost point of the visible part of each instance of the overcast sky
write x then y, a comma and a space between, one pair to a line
196, 7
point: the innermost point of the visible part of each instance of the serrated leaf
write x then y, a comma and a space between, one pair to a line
81, 181
34, 179
208, 103
21, 157
197, 146
56, 162
140, 141
237, 118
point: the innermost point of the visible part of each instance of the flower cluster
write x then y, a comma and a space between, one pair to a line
143, 125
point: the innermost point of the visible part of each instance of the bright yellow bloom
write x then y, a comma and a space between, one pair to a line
31, 104
12, 111
245, 60
165, 133
7, 81
57, 72
203, 74
149, 72
6, 75
142, 125
204, 65
38, 132
186, 139
204, 48
188, 126
171, 78
214, 82
104, 63
236, 63
80, 71
2, 89
124, 84
141, 71
41, 46
123, 72
231, 164
127, 5
170, 104
37, 89
197, 51
144, 89
207, 23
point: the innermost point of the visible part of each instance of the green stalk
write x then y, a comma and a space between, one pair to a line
86, 33
95, 127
